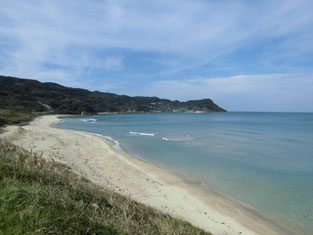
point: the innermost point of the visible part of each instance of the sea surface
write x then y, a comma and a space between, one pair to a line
263, 159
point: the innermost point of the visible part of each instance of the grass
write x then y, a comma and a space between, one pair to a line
15, 116
39, 196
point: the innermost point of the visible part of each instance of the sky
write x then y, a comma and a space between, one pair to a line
246, 55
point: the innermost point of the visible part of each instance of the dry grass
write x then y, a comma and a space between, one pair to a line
45, 197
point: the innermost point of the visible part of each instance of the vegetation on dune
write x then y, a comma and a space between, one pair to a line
16, 116
39, 196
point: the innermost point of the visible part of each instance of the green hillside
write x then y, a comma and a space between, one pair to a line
23, 98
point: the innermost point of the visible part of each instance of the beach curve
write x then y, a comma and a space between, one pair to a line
95, 159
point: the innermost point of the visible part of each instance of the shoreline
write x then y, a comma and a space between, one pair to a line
96, 159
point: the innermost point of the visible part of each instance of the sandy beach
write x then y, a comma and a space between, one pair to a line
96, 159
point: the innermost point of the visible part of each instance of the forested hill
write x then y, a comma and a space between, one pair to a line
34, 96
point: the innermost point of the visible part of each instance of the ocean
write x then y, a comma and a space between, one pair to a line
262, 159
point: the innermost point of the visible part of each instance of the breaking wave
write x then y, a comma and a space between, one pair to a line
116, 144
141, 133
89, 120
187, 137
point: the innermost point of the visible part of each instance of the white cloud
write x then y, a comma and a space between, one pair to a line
68, 41
188, 29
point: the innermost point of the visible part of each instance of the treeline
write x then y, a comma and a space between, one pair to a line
31, 96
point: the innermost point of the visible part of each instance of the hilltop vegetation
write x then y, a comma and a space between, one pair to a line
22, 99
38, 196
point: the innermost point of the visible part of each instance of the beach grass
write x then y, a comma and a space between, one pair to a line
15, 116
40, 196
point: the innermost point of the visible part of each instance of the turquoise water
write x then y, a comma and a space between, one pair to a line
263, 159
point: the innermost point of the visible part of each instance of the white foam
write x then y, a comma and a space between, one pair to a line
178, 139
141, 133
89, 120
116, 144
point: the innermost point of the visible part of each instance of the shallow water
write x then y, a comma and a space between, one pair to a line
263, 159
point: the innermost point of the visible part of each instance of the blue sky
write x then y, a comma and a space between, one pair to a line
247, 55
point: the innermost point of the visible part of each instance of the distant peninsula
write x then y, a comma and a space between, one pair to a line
32, 96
